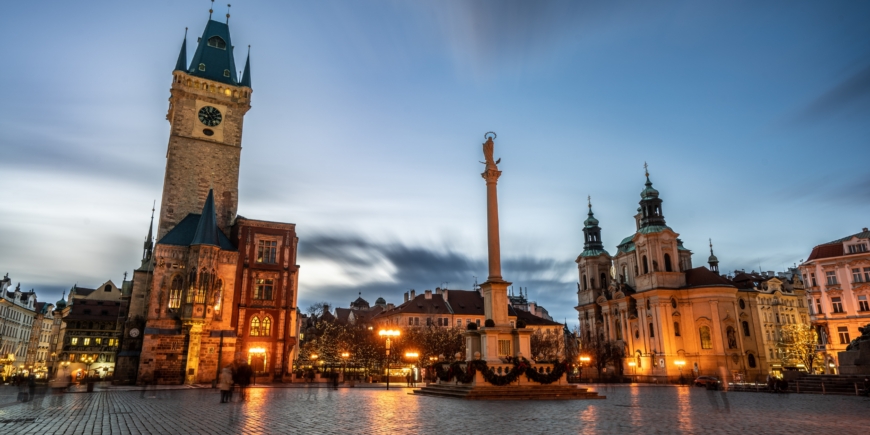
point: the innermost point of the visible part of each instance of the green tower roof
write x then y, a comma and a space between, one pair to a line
214, 59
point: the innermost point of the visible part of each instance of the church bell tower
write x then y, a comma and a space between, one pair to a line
207, 107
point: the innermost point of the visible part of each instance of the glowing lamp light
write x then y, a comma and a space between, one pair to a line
257, 350
411, 354
632, 363
585, 359
389, 333
680, 363
345, 354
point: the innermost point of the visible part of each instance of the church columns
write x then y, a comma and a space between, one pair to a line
718, 343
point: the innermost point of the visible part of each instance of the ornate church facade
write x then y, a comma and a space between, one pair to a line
669, 318
216, 288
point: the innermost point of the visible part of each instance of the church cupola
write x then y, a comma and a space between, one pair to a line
713, 261
591, 231
650, 205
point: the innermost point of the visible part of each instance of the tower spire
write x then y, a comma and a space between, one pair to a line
181, 63
712, 260
228, 12
650, 204
148, 247
591, 232
246, 76
211, 9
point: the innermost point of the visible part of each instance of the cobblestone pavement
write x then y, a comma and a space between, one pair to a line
646, 410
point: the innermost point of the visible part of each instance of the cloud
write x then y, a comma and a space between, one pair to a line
388, 269
852, 94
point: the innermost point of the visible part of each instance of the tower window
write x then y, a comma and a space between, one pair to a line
645, 266
202, 67
668, 267
226, 73
217, 42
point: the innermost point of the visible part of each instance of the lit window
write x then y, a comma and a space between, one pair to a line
706, 341
266, 328
255, 327
263, 289
175, 292
74, 341
267, 251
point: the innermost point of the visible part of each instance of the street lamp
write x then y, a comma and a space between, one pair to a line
680, 364
344, 357
583, 359
633, 366
413, 356
387, 333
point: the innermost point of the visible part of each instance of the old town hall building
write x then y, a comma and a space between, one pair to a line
216, 288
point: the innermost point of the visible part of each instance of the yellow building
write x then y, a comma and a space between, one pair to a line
837, 277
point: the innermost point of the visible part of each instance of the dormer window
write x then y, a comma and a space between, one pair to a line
226, 73
217, 42
860, 247
202, 67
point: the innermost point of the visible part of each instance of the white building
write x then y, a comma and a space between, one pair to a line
17, 311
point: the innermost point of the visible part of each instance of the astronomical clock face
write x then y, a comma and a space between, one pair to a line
210, 116
134, 332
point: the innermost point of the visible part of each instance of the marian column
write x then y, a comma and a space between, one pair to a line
495, 288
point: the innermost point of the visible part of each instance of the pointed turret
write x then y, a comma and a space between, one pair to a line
181, 63
592, 244
213, 58
650, 205
246, 75
148, 247
712, 260
207, 229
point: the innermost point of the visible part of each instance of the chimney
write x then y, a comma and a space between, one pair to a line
406, 296
437, 290
390, 306
444, 294
428, 294
532, 307
864, 229
770, 273
413, 294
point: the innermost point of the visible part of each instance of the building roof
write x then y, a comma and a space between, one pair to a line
183, 234
593, 252
181, 63
534, 320
246, 76
215, 53
835, 248
703, 277
207, 229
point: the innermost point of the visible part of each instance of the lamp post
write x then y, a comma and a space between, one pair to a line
633, 366
680, 364
583, 359
344, 357
413, 356
432, 360
387, 333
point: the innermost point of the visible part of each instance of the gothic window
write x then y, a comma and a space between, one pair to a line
746, 328
175, 291
645, 266
676, 329
267, 251
668, 267
263, 289
217, 42
751, 360
255, 327
266, 328
706, 340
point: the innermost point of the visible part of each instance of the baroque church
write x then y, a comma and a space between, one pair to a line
670, 319
216, 288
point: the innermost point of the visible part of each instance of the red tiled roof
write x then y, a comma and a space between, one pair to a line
702, 277
826, 251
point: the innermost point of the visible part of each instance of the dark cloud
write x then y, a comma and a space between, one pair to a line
852, 94
419, 267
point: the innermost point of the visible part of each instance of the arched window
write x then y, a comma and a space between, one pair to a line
706, 341
746, 328
585, 283
255, 327
266, 329
107, 288
668, 267
742, 304
645, 266
624, 274
217, 42
652, 331
751, 360
175, 291
676, 329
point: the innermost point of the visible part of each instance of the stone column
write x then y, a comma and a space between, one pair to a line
495, 288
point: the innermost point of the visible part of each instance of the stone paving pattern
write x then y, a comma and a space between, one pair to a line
642, 410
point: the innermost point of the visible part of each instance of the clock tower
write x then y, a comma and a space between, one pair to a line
207, 107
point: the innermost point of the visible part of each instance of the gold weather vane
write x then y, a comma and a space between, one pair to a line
645, 169
589, 200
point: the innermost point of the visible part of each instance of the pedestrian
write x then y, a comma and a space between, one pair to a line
243, 378
225, 383
408, 379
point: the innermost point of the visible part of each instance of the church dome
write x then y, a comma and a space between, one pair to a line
61, 304
712, 259
649, 192
380, 301
590, 221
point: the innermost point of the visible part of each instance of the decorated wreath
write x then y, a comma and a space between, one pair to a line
521, 366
